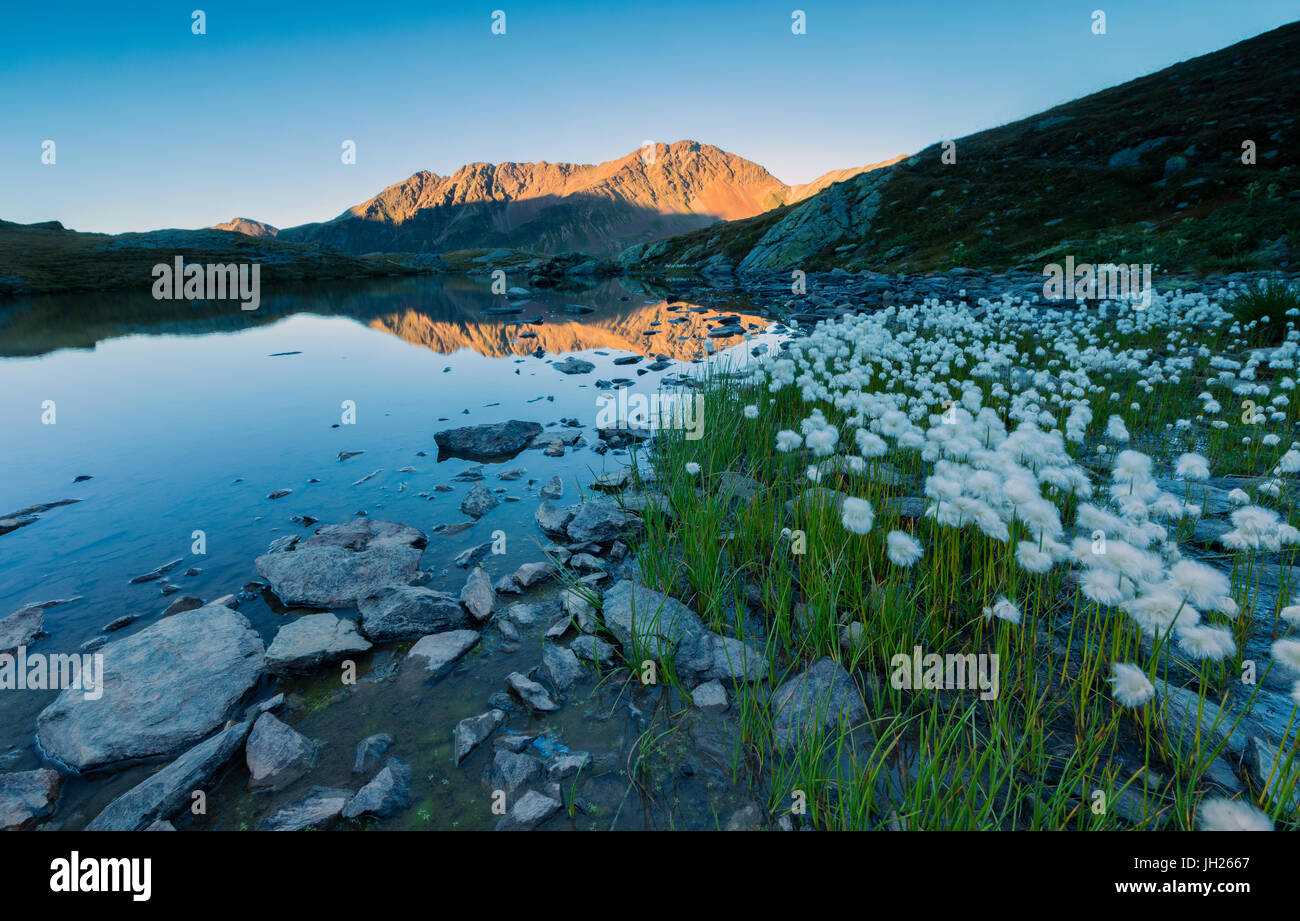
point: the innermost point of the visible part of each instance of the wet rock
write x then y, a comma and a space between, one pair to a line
531, 693
585, 562
483, 442
388, 792
817, 698
710, 695
279, 493
320, 809
506, 586
650, 623
27, 797
563, 766
1276, 779
471, 556
592, 649
1191, 723
156, 573
554, 519
163, 689
479, 501
531, 810
402, 611
577, 606
750, 818
300, 647
600, 521
478, 596
530, 574
553, 489
613, 481
561, 666
472, 731
21, 628
343, 563
370, 752
437, 652
510, 772
165, 793
184, 603
512, 474
277, 754
573, 365
522, 614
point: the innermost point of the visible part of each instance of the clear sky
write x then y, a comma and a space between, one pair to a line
158, 127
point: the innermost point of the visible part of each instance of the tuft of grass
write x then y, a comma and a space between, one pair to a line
1267, 311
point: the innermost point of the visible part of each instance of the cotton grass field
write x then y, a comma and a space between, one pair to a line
1101, 496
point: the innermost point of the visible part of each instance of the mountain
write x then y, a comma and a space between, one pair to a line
1150, 171
554, 207
248, 227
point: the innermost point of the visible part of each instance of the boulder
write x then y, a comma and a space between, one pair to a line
484, 442
164, 688
27, 797
531, 810
472, 731
478, 596
554, 519
389, 791
479, 501
402, 611
277, 754
312, 640
438, 651
600, 521
816, 699
370, 752
343, 563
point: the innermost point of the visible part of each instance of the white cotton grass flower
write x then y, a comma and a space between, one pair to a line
1003, 609
1116, 430
787, 441
1202, 585
1287, 652
1192, 467
902, 548
1131, 686
750, 412
693, 468
857, 516
1220, 814
1291, 614
1204, 642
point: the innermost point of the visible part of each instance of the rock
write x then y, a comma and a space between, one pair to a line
278, 493
163, 689
710, 695
561, 666
1186, 718
530, 574
591, 649
165, 793
613, 481
649, 623
370, 752
264, 706
160, 825
388, 792
21, 628
27, 797
531, 693
437, 652
853, 637
573, 365
301, 646
1277, 780
157, 573
509, 772
531, 810
585, 562
817, 497
553, 489
343, 563
484, 442
600, 521
554, 519
737, 489
467, 558
479, 501
277, 754
478, 596
472, 731
402, 611
512, 474
563, 766
750, 818
517, 293
320, 809
183, 603
816, 699
522, 614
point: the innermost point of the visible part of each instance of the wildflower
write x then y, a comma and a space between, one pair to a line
1202, 585
902, 549
1192, 467
787, 441
1288, 653
1231, 815
693, 468
857, 515
1291, 614
1131, 686
1003, 609
1202, 642
751, 412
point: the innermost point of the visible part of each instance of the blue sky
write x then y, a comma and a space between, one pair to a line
158, 127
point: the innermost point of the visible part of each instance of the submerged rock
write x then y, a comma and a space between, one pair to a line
343, 563
163, 689
21, 628
162, 795
398, 612
437, 652
312, 640
479, 501
510, 771
478, 596
321, 808
277, 754
472, 731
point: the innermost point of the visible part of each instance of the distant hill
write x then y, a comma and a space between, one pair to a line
1148, 171
248, 228
555, 207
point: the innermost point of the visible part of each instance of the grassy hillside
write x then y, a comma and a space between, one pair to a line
1148, 171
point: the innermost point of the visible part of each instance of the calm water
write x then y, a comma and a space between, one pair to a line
186, 416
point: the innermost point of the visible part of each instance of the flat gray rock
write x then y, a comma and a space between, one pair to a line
530, 692
343, 563
437, 652
388, 792
312, 640
277, 754
599, 521
554, 519
162, 795
487, 441
399, 612
561, 666
510, 771
531, 810
164, 688
370, 752
530, 574
320, 809
472, 731
21, 628
478, 595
